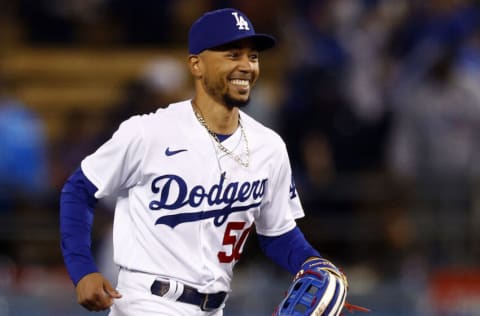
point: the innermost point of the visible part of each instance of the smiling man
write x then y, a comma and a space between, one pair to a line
227, 73
191, 181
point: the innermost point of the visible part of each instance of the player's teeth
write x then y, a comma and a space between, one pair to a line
240, 82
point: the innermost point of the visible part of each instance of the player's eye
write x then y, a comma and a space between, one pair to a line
253, 57
233, 54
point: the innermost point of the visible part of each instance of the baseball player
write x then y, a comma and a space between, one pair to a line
191, 181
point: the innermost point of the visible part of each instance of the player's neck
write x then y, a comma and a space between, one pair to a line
219, 118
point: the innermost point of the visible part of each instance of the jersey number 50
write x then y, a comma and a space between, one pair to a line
230, 238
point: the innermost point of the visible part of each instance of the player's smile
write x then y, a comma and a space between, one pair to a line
242, 85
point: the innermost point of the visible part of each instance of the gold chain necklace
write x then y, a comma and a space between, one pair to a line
227, 151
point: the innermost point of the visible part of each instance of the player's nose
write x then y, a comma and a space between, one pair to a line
245, 63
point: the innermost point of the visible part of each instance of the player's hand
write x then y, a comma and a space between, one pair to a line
95, 293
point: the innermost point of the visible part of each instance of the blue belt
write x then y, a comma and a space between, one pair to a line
190, 295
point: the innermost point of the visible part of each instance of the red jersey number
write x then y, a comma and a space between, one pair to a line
230, 239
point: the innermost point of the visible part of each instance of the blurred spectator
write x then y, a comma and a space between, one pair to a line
23, 169
23, 165
468, 62
436, 124
429, 27
313, 69
313, 102
311, 31
328, 85
325, 195
79, 138
366, 77
436, 146
317, 183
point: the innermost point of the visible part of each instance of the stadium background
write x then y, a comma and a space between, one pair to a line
378, 101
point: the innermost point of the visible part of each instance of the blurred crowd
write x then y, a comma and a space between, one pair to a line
377, 100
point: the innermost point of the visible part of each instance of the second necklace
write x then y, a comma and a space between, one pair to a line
227, 151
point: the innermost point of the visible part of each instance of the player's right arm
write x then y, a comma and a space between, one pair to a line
112, 167
77, 201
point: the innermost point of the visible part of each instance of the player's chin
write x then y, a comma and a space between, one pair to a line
239, 101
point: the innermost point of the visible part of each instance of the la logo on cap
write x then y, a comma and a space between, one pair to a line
242, 24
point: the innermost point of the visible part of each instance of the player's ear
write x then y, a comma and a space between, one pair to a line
194, 65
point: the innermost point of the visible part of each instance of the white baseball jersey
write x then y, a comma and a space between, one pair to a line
176, 216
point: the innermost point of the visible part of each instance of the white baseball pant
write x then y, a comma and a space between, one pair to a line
137, 299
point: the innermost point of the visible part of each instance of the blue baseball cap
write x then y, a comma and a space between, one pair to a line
223, 26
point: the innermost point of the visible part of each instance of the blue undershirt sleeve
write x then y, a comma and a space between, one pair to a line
289, 250
77, 201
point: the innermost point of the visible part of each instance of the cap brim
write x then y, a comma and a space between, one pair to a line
263, 41
260, 42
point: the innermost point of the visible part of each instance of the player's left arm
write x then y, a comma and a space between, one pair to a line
289, 250
293, 252
318, 288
